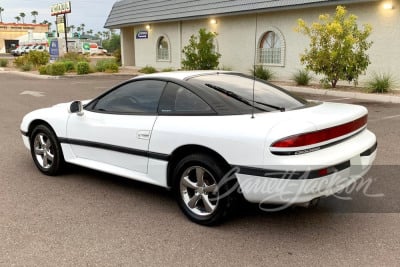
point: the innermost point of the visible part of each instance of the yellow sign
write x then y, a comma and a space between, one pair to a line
60, 24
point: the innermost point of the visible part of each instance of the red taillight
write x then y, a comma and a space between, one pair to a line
312, 138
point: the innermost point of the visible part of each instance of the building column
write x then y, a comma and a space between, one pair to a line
128, 46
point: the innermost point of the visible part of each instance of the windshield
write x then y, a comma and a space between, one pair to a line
265, 94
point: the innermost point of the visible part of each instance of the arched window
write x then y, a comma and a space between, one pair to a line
162, 48
271, 48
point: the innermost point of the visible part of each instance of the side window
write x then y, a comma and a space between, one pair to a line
271, 49
179, 100
140, 97
162, 49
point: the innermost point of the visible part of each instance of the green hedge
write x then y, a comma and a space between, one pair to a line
107, 65
83, 68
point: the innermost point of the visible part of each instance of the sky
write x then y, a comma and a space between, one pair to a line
89, 12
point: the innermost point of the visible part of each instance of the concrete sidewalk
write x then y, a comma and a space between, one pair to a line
132, 72
386, 98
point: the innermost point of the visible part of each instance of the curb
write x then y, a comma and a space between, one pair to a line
31, 75
49, 77
356, 95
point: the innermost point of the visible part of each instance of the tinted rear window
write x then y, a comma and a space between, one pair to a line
243, 86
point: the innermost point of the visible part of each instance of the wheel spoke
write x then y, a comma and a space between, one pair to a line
186, 182
200, 176
193, 201
48, 144
39, 151
45, 162
210, 188
41, 140
50, 156
207, 204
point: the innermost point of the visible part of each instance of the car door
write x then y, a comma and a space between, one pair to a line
116, 128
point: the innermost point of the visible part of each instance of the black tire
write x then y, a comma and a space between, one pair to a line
46, 150
202, 194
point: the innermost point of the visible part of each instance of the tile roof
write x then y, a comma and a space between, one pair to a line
133, 12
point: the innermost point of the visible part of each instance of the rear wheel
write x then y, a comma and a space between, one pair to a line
200, 190
46, 151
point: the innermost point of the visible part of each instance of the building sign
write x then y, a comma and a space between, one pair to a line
142, 35
86, 48
60, 24
62, 8
54, 50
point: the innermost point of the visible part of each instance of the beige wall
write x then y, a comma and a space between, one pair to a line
128, 46
13, 31
236, 38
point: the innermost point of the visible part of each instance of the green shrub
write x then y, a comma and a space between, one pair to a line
43, 70
38, 58
34, 58
200, 53
57, 69
27, 67
21, 61
263, 73
167, 70
3, 62
381, 83
117, 55
302, 77
148, 70
83, 68
325, 83
107, 65
69, 65
74, 57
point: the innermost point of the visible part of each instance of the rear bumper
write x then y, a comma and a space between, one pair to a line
286, 185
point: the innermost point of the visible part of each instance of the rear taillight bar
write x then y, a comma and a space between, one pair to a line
312, 138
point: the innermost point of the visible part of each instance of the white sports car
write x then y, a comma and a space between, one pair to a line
208, 136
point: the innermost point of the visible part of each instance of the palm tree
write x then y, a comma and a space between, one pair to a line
34, 15
83, 28
17, 18
106, 34
1, 17
72, 27
78, 29
90, 32
22, 15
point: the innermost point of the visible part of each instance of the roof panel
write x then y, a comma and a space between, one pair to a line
133, 12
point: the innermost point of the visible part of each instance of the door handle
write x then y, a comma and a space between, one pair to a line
143, 134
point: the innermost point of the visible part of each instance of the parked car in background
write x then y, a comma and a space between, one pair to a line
101, 51
28, 49
20, 50
40, 48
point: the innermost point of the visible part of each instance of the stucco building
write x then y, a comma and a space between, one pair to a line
13, 34
154, 32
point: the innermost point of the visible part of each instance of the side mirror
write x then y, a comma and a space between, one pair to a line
76, 107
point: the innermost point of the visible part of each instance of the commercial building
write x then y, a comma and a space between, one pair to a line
154, 32
14, 34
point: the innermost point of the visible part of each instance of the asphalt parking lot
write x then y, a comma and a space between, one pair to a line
89, 218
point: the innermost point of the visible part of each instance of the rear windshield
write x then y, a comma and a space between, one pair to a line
266, 96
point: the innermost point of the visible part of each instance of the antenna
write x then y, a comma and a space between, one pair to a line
254, 65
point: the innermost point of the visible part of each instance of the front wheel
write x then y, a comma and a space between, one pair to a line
46, 151
201, 191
